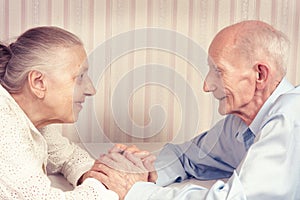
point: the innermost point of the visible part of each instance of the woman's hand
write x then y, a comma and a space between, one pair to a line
94, 172
121, 171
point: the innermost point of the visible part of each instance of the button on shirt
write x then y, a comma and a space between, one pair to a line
262, 172
248, 138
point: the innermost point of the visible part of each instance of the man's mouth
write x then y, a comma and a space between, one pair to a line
221, 98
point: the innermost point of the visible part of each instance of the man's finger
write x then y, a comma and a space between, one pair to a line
150, 158
136, 161
149, 165
152, 177
148, 162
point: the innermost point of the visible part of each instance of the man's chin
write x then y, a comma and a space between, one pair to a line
222, 110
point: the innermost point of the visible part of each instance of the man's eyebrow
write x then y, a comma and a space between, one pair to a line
212, 64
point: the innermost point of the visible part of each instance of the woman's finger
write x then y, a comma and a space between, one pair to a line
118, 148
107, 160
141, 154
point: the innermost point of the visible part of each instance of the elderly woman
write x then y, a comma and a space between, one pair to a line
44, 80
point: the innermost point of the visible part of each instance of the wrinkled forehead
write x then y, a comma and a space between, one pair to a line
221, 51
224, 39
72, 58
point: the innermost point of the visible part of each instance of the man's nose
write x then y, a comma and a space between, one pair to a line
208, 87
205, 87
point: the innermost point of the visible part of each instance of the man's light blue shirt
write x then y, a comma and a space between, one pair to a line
260, 173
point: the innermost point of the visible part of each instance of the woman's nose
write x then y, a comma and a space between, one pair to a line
90, 89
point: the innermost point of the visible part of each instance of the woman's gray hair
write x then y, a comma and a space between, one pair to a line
36, 49
262, 41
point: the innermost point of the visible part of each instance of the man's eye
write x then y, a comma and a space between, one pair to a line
217, 70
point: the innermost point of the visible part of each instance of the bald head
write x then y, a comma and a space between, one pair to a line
255, 41
238, 29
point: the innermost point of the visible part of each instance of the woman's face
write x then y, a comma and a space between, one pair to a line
69, 85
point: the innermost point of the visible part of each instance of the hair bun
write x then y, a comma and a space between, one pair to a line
5, 56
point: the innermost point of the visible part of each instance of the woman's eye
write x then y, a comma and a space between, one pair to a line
80, 77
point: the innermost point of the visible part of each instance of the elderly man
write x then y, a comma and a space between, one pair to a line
253, 144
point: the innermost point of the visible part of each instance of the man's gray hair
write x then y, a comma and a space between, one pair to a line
262, 41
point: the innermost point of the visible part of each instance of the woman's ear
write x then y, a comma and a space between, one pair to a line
37, 83
262, 73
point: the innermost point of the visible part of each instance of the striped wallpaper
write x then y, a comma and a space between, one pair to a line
149, 112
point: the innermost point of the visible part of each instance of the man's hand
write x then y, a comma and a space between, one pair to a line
147, 158
121, 171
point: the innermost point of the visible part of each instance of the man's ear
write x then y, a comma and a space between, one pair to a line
262, 75
37, 83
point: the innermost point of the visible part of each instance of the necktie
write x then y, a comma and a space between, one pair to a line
248, 138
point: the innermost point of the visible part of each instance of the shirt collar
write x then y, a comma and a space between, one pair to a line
283, 87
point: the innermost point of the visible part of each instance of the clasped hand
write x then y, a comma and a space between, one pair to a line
121, 167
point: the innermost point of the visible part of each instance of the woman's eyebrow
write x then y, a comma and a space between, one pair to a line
84, 67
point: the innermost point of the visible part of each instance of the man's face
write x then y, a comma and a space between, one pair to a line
69, 85
230, 78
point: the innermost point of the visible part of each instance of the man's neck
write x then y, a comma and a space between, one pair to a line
249, 111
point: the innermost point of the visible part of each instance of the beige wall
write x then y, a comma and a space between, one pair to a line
96, 21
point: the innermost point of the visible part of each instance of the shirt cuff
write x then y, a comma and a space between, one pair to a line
98, 186
142, 190
80, 170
